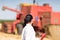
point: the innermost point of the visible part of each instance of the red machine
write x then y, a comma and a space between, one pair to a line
41, 14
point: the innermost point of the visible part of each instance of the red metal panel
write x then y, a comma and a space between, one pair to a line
34, 11
45, 21
55, 18
44, 8
44, 11
45, 18
25, 10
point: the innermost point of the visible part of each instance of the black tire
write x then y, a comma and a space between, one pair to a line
4, 27
19, 28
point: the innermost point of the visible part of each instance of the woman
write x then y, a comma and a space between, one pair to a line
28, 32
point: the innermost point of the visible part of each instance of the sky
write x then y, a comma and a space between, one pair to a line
10, 15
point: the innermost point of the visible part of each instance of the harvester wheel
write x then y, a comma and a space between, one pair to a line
19, 28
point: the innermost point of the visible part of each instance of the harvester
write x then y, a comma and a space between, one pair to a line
41, 14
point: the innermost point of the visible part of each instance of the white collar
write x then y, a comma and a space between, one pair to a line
28, 24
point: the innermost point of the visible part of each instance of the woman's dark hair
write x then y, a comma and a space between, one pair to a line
27, 19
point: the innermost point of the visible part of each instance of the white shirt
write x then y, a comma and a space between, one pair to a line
28, 32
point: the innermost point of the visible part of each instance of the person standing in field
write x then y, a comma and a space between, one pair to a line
28, 32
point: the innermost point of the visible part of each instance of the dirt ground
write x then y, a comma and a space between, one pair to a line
4, 36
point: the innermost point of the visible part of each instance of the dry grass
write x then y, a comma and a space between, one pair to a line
55, 32
4, 36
